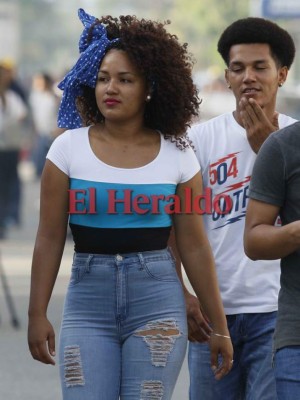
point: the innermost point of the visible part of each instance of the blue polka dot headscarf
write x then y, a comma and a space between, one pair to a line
84, 72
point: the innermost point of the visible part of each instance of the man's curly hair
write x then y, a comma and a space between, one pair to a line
258, 30
167, 67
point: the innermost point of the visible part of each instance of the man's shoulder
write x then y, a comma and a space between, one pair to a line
211, 122
288, 133
285, 120
282, 143
213, 126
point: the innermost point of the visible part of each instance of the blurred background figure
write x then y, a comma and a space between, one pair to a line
13, 217
217, 99
14, 83
44, 106
13, 113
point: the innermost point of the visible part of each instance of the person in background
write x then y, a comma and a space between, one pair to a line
258, 54
14, 84
274, 190
12, 116
127, 103
44, 106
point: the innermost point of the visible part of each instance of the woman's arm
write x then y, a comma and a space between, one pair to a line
197, 259
263, 240
198, 323
47, 255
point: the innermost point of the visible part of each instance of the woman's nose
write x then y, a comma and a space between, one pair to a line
111, 86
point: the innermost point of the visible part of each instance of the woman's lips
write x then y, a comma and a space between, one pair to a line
111, 102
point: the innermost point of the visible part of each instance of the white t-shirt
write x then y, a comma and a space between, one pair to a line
128, 215
11, 127
44, 106
226, 161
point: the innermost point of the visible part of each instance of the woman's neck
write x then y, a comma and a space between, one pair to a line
130, 132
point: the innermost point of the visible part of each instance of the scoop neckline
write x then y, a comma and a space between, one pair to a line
120, 168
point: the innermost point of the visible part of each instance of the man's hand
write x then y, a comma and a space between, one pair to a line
198, 323
256, 123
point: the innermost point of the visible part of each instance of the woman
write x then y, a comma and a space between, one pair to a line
122, 177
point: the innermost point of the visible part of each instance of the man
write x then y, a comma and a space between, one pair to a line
275, 189
258, 54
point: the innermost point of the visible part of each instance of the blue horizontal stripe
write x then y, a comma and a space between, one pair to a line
122, 199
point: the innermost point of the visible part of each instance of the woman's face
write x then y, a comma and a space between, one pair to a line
121, 89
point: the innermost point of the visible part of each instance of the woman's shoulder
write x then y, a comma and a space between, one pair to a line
177, 145
72, 134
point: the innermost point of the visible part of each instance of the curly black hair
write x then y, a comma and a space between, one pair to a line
258, 30
167, 67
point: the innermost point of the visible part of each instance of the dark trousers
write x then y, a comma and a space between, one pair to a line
8, 178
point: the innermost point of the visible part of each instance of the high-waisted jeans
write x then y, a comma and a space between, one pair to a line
124, 331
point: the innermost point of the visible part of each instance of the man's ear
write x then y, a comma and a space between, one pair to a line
282, 75
226, 73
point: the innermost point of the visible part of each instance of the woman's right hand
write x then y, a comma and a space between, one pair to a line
41, 339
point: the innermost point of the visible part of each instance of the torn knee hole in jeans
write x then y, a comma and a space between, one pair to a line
152, 390
160, 336
73, 366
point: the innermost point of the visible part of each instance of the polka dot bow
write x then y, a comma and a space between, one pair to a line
85, 70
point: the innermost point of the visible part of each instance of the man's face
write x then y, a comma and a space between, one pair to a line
253, 72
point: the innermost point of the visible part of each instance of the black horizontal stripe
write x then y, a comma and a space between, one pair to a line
122, 240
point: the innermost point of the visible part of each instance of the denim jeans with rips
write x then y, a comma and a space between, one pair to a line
124, 331
251, 377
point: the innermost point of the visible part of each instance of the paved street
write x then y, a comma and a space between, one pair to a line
20, 376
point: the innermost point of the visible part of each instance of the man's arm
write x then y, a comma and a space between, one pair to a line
263, 240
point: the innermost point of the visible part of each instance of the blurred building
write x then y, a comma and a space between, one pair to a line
9, 29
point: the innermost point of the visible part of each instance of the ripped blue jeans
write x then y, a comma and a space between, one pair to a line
124, 331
